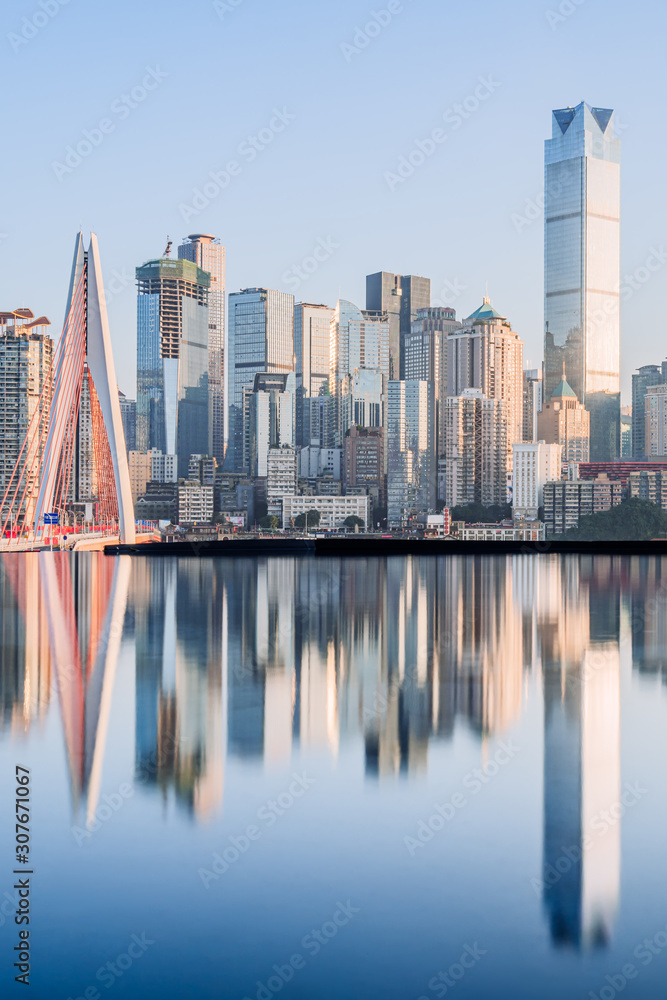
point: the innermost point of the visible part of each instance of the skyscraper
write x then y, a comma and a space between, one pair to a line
172, 359
312, 324
209, 254
486, 354
532, 402
582, 267
399, 297
475, 434
261, 339
270, 419
26, 352
646, 376
425, 355
411, 478
128, 414
358, 340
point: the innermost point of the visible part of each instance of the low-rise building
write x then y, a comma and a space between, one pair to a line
332, 510
565, 503
437, 525
195, 502
516, 531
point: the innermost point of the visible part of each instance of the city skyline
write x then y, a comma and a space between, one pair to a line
456, 191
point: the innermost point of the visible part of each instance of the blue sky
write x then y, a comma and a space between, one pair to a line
350, 104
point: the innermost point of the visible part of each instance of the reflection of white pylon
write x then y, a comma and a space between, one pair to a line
85, 351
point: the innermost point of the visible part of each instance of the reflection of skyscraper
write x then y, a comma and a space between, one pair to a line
179, 678
582, 267
582, 768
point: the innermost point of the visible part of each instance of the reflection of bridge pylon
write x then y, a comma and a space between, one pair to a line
42, 479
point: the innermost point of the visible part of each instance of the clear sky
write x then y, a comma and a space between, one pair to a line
350, 104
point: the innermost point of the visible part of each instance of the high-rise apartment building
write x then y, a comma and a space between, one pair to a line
359, 340
643, 378
567, 422
582, 267
269, 420
261, 339
399, 297
425, 354
486, 354
655, 434
312, 328
412, 467
208, 253
535, 464
26, 354
475, 434
172, 358
532, 402
565, 503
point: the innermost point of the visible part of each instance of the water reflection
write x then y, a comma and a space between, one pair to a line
250, 658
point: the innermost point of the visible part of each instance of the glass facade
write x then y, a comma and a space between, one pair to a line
312, 329
172, 359
359, 340
261, 339
399, 297
411, 478
582, 267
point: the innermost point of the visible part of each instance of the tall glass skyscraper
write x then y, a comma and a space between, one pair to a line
209, 254
582, 267
172, 359
400, 297
261, 339
312, 325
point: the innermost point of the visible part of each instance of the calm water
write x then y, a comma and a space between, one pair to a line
337, 778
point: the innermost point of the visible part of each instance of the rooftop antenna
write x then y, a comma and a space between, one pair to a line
167, 252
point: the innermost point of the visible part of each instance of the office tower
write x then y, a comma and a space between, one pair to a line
399, 297
411, 476
425, 355
655, 432
209, 255
535, 464
582, 267
172, 358
128, 414
645, 377
319, 420
475, 435
532, 402
269, 419
26, 353
566, 421
358, 340
486, 354
261, 339
312, 327
363, 464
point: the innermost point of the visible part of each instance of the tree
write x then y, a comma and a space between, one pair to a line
269, 523
311, 518
353, 521
632, 520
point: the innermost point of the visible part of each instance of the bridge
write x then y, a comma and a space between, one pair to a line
37, 507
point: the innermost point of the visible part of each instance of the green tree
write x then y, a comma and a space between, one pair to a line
632, 520
269, 523
353, 521
477, 513
311, 518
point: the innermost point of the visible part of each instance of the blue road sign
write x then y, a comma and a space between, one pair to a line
51, 518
